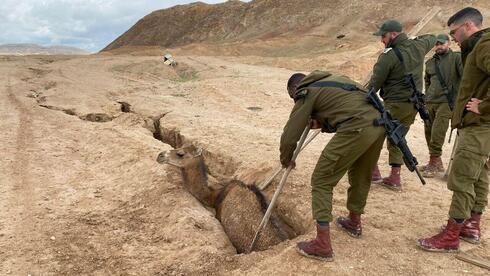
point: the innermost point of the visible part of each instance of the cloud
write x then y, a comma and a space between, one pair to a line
86, 24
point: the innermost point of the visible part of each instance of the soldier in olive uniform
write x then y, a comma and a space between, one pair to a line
468, 177
337, 105
389, 76
442, 76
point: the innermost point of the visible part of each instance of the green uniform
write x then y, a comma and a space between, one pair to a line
451, 70
354, 148
389, 76
468, 177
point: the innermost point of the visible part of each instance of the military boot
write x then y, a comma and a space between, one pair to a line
434, 167
446, 241
438, 164
393, 181
471, 229
376, 176
351, 224
320, 248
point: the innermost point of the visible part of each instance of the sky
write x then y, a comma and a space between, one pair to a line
86, 24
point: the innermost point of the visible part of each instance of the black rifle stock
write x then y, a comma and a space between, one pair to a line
417, 99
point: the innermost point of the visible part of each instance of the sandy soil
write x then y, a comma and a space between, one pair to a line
81, 191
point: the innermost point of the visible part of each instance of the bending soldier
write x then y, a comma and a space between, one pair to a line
337, 105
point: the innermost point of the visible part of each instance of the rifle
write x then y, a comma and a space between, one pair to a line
395, 132
417, 97
445, 90
418, 101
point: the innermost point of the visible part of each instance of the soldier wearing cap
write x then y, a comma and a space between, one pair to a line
389, 77
442, 76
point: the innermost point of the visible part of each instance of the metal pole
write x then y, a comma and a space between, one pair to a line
268, 213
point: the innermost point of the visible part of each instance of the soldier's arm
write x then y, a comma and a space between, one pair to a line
428, 41
298, 120
483, 63
459, 65
459, 74
427, 75
381, 71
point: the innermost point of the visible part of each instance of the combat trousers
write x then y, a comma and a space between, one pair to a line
355, 152
440, 115
404, 112
468, 178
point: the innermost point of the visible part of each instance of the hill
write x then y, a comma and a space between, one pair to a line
278, 28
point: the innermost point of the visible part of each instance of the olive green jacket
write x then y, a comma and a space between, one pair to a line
451, 70
336, 107
475, 82
389, 73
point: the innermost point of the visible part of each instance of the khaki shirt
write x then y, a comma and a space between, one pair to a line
339, 108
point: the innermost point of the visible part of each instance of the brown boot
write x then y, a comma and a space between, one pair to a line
351, 224
434, 167
320, 248
438, 164
376, 176
393, 181
471, 229
446, 241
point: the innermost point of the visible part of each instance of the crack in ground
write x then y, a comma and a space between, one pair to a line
157, 132
68, 111
238, 207
125, 107
91, 117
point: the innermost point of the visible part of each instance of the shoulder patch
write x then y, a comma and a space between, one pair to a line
386, 50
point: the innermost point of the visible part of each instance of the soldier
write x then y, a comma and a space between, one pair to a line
442, 76
468, 177
337, 105
389, 75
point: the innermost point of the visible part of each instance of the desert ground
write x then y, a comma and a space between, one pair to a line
81, 191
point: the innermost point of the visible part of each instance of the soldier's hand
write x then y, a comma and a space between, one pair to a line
472, 105
314, 124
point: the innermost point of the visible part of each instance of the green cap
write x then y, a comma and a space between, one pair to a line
389, 26
443, 38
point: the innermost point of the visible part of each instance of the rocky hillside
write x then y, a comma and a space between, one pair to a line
34, 49
292, 24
